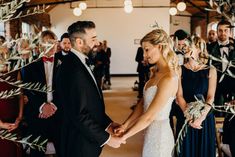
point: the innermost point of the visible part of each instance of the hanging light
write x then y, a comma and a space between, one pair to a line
128, 8
173, 11
127, 2
181, 6
83, 5
77, 11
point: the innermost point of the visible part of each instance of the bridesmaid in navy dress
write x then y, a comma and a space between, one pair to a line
200, 81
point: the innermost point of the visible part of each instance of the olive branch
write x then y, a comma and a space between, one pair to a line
8, 10
35, 144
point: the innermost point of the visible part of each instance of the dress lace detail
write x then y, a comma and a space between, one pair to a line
159, 140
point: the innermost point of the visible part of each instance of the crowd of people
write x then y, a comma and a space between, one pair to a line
71, 113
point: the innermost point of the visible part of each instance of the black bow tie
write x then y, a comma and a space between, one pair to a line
88, 62
221, 46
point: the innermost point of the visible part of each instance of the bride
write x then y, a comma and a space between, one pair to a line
153, 111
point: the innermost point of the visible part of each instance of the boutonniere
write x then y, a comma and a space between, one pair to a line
58, 63
231, 47
92, 67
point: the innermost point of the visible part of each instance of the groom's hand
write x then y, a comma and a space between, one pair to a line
115, 142
112, 127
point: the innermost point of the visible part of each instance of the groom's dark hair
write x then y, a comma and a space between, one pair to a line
78, 29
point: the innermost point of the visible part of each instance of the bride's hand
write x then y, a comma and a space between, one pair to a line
119, 131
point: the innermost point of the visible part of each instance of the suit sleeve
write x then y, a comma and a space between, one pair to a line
80, 115
35, 98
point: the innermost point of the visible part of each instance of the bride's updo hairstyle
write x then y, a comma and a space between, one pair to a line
160, 37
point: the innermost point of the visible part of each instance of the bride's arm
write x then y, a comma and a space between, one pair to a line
166, 88
134, 115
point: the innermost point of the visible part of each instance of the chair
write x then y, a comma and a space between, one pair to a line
219, 130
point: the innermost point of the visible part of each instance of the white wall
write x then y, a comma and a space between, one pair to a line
117, 27
180, 22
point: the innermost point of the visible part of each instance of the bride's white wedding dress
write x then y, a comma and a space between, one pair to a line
158, 140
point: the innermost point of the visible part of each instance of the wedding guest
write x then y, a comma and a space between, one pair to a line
180, 39
225, 92
11, 113
107, 52
200, 81
86, 128
42, 112
65, 45
143, 71
212, 37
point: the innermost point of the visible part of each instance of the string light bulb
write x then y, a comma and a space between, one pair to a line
83, 6
77, 11
181, 6
173, 11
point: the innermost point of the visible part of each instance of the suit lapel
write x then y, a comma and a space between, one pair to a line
41, 71
89, 76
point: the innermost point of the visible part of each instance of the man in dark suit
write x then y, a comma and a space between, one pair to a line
107, 52
212, 37
86, 128
142, 69
42, 111
225, 92
65, 45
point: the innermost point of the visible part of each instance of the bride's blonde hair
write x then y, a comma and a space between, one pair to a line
160, 37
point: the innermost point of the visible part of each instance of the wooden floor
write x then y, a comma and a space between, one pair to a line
118, 101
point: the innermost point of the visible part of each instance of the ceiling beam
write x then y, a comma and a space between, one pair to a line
52, 3
195, 6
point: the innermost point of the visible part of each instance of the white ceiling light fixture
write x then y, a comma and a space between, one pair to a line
128, 8
127, 2
181, 6
173, 11
83, 5
77, 11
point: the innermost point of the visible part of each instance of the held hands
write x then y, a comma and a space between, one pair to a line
47, 110
116, 140
119, 131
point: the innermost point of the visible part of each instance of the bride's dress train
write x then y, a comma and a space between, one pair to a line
159, 140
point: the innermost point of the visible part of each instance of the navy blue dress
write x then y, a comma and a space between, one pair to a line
198, 142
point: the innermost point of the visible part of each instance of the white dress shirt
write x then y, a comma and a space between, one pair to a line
224, 52
48, 66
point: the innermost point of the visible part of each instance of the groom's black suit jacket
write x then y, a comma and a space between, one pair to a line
84, 120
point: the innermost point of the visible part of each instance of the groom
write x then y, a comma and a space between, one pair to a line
86, 128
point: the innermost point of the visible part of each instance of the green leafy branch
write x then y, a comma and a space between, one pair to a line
7, 94
8, 9
35, 144
29, 86
178, 143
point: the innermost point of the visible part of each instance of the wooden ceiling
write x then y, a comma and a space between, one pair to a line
193, 6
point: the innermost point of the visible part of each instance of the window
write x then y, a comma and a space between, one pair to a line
2, 29
26, 29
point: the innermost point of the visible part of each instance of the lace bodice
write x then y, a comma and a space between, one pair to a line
148, 97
